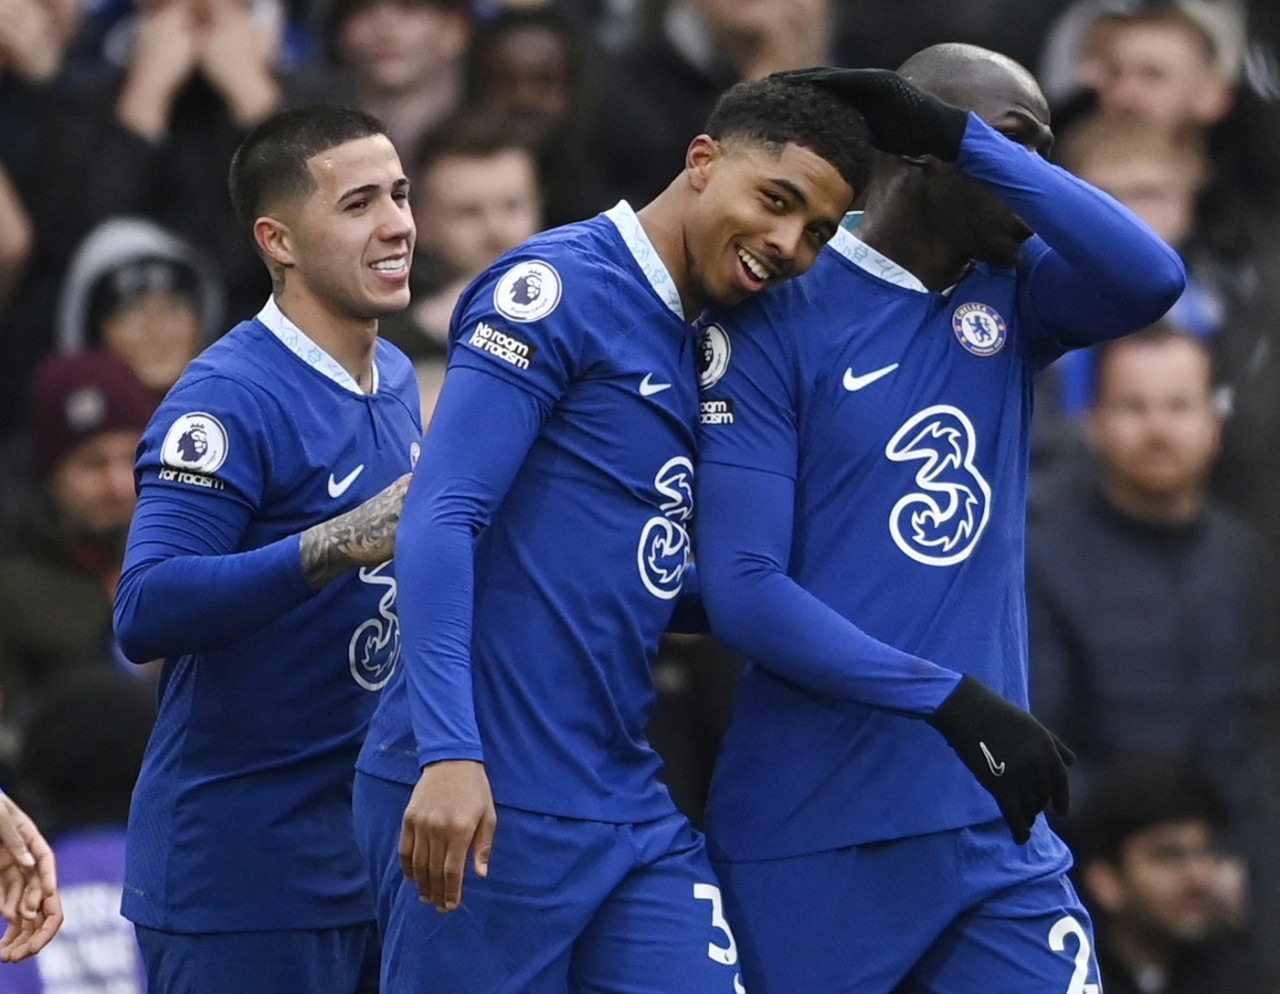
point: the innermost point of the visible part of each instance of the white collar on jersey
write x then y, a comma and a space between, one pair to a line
633, 233
865, 257
297, 342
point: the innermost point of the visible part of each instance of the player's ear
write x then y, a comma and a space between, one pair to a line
274, 240
700, 160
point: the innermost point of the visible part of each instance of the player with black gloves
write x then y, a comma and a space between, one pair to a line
861, 501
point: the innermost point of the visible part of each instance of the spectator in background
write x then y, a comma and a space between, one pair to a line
401, 60
61, 560
1157, 173
34, 39
1165, 62
703, 47
81, 750
1166, 900
1176, 63
143, 293
537, 74
152, 138
1146, 601
887, 32
475, 194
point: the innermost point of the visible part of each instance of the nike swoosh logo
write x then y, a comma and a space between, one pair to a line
852, 382
997, 769
339, 487
648, 388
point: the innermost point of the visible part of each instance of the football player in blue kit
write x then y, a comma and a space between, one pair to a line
270, 482
543, 550
861, 502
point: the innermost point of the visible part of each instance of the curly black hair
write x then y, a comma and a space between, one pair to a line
776, 112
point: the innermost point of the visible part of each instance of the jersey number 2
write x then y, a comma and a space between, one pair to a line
1063, 927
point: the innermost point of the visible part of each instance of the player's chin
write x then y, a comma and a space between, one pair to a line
389, 302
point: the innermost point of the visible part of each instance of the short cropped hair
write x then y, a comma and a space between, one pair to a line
1138, 793
464, 136
775, 112
271, 162
1163, 332
1102, 137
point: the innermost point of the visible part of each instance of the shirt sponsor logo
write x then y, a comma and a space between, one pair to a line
663, 552
374, 649
716, 412
980, 328
505, 346
939, 523
528, 291
713, 356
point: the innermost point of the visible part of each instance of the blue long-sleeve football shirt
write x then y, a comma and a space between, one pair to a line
862, 492
241, 817
544, 541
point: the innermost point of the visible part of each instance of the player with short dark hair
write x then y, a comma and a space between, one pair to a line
861, 502
270, 484
543, 551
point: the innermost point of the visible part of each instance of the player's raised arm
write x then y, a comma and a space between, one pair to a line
1119, 273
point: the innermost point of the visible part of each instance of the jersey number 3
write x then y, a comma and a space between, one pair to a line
727, 955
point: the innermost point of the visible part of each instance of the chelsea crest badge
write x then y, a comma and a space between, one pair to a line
980, 328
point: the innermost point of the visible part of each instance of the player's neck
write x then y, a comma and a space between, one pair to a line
663, 221
907, 241
350, 341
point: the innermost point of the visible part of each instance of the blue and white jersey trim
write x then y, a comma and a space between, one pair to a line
655, 271
296, 340
880, 266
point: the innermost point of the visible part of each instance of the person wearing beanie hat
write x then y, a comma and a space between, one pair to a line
60, 562
138, 290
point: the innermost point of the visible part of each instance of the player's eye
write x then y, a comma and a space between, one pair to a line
774, 201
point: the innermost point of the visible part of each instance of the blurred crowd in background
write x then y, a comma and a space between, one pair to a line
1155, 498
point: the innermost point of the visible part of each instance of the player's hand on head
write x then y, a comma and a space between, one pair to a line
1021, 763
902, 118
29, 900
450, 813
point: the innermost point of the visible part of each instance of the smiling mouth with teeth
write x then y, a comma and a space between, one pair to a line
389, 265
753, 265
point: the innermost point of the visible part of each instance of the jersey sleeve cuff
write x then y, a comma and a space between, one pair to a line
442, 754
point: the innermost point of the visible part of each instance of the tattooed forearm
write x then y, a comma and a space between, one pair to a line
363, 536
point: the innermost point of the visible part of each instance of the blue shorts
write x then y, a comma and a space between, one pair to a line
319, 961
959, 912
568, 906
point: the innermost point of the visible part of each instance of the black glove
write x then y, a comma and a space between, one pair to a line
903, 119
1019, 761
